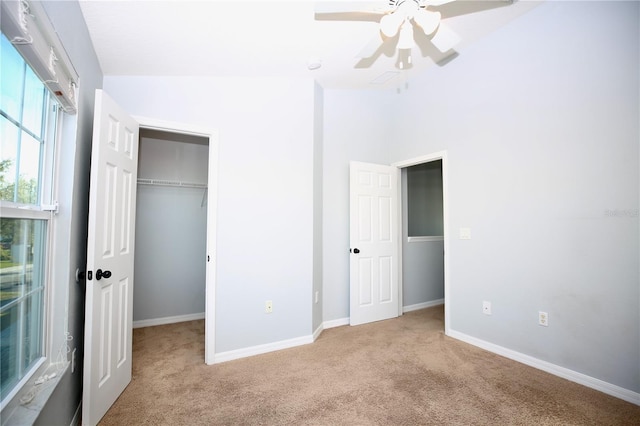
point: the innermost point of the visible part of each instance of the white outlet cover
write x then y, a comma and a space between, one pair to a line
543, 319
465, 233
486, 308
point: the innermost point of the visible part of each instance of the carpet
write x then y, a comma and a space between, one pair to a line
402, 371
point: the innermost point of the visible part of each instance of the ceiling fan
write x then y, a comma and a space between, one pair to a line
402, 22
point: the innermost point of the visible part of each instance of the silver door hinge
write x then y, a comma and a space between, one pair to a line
51, 207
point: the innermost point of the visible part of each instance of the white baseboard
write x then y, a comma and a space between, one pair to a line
565, 373
76, 417
261, 349
423, 305
345, 321
335, 323
276, 346
167, 320
317, 332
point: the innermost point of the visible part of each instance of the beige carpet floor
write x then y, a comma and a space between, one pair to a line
403, 371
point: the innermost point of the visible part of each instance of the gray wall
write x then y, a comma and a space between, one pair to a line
541, 124
356, 127
171, 225
422, 272
424, 199
318, 125
68, 22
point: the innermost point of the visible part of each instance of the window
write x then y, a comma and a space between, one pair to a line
28, 119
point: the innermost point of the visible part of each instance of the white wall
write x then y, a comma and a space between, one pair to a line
265, 193
356, 128
541, 124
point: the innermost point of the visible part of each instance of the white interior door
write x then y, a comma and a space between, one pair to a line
374, 224
110, 250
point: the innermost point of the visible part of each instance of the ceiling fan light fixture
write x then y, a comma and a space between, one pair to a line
406, 41
404, 60
389, 24
427, 20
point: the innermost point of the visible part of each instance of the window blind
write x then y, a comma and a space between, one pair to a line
27, 26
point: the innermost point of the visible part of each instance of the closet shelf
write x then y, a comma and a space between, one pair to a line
164, 182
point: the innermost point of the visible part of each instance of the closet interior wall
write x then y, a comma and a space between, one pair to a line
422, 235
171, 227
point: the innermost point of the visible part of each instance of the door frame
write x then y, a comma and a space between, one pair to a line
212, 212
440, 155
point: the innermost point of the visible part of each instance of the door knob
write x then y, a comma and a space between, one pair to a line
356, 251
100, 273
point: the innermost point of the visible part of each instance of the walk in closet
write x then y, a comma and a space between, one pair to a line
171, 228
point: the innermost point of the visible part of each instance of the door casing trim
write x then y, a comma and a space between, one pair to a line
212, 210
440, 155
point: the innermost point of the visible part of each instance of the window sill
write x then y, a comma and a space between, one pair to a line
425, 239
28, 412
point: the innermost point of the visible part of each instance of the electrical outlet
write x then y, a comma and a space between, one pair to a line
268, 306
543, 318
486, 308
465, 233
73, 360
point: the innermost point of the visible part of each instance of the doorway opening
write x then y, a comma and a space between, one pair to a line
176, 227
424, 246
171, 223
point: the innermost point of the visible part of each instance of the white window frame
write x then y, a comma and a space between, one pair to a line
23, 403
42, 212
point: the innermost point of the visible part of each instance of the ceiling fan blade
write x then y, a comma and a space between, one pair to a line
437, 2
371, 48
428, 20
386, 48
390, 24
445, 38
349, 16
328, 7
459, 8
450, 56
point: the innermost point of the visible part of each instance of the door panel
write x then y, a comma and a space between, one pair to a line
374, 243
110, 247
123, 321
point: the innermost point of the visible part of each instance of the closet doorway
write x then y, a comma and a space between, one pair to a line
425, 241
175, 229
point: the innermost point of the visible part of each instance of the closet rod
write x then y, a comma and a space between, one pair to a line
164, 182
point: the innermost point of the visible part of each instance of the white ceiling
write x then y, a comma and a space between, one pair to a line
265, 38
